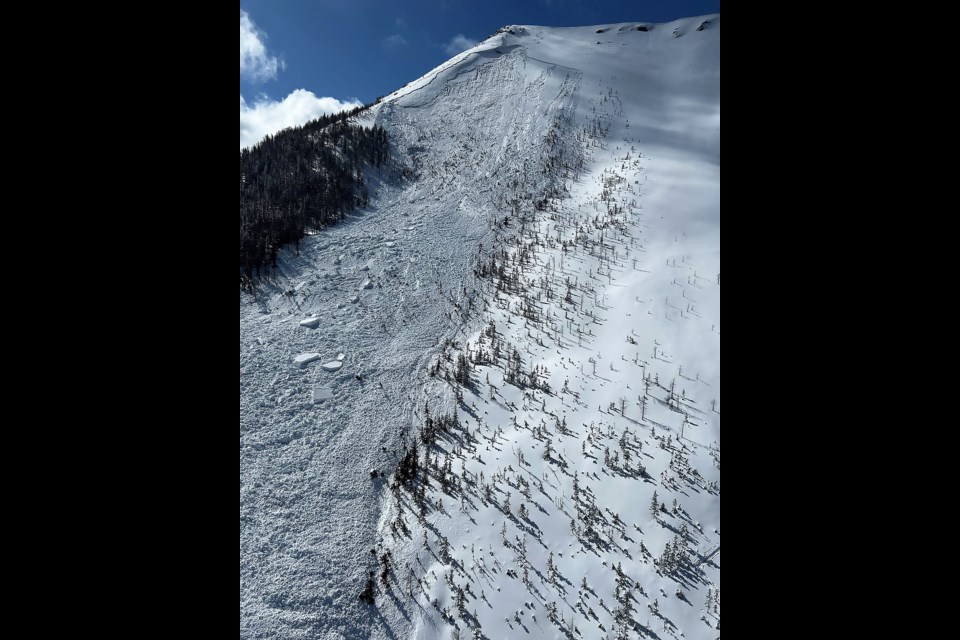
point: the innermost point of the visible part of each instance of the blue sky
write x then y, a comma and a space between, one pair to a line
302, 58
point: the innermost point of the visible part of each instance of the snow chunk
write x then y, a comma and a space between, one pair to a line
366, 284
391, 245
355, 299
310, 323
322, 394
304, 359
332, 366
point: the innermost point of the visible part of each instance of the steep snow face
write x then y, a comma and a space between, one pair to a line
589, 164
388, 286
595, 386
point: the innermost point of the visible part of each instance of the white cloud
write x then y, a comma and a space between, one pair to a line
255, 62
394, 41
459, 43
269, 116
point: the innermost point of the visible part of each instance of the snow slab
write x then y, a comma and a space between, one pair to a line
304, 359
322, 394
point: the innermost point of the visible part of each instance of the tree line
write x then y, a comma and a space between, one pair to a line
302, 178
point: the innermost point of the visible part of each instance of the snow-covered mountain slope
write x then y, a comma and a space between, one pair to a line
559, 226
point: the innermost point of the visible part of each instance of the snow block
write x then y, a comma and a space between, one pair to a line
304, 359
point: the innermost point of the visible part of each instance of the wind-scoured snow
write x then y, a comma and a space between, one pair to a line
616, 301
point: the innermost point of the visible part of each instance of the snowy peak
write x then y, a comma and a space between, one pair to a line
627, 34
658, 46
584, 32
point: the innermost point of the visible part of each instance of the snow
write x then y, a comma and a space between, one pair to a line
322, 394
310, 323
332, 367
304, 359
637, 239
